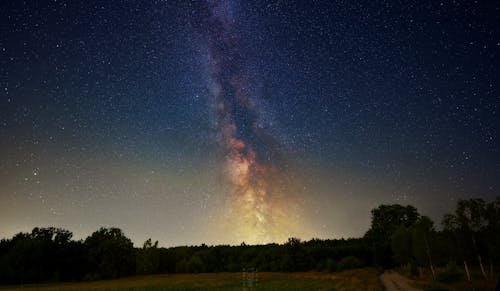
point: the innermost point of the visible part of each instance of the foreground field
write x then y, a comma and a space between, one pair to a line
360, 279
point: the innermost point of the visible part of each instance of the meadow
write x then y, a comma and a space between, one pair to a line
358, 279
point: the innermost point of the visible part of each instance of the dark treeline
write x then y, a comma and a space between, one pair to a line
398, 236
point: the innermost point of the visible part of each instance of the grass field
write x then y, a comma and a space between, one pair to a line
360, 279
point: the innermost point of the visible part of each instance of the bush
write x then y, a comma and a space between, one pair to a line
449, 274
349, 262
331, 266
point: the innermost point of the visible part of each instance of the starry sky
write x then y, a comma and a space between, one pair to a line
220, 122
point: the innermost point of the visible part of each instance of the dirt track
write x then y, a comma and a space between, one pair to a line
393, 281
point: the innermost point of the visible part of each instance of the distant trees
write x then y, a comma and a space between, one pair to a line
110, 254
45, 254
50, 255
148, 258
398, 235
295, 258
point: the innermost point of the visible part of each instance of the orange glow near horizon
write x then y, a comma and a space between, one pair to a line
258, 211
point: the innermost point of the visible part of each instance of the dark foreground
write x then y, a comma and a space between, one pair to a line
359, 279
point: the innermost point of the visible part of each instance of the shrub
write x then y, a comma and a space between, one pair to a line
331, 265
349, 262
449, 274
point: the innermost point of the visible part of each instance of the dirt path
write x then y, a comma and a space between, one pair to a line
393, 281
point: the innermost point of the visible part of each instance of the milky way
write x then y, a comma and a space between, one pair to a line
220, 122
258, 209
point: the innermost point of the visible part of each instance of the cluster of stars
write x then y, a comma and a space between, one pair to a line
107, 118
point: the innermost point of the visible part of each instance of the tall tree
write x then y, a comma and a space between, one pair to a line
422, 232
386, 219
110, 253
469, 219
148, 258
491, 234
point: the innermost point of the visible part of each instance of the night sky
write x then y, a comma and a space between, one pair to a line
220, 122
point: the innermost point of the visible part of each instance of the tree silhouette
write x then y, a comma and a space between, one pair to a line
110, 254
398, 235
148, 258
386, 220
470, 220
